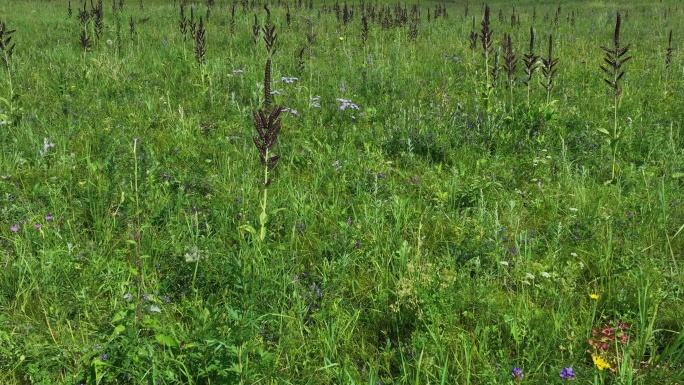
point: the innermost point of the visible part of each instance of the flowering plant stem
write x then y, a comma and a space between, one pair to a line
136, 237
263, 217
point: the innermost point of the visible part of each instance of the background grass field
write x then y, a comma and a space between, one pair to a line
425, 223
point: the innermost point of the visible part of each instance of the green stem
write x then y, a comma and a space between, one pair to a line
138, 258
615, 133
263, 217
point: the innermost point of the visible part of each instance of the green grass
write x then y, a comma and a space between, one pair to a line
443, 233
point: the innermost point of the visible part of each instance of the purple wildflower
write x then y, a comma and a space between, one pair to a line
48, 218
15, 228
36, 226
517, 373
567, 373
103, 357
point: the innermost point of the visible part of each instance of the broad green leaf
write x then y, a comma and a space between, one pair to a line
602, 130
168, 341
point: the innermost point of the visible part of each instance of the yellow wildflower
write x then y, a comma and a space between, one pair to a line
600, 363
341, 38
594, 296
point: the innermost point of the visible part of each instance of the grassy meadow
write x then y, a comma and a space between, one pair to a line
341, 193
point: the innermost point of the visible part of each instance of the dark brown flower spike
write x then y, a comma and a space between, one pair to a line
615, 59
267, 128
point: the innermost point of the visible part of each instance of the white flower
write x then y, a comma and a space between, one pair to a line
192, 255
504, 263
573, 254
529, 276
545, 274
573, 209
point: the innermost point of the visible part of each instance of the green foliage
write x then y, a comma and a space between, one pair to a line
424, 224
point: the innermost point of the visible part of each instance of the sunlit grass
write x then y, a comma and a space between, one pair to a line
425, 224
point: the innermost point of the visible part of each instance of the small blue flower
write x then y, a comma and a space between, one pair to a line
103, 357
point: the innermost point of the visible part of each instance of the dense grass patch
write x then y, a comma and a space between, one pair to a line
448, 207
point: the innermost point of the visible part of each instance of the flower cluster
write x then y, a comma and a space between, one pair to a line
517, 373
347, 104
287, 80
600, 363
15, 227
567, 373
604, 344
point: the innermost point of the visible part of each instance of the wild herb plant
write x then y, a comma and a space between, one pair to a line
549, 69
414, 23
510, 65
6, 45
487, 50
473, 37
668, 56
267, 124
232, 18
614, 60
200, 42
364, 30
496, 68
84, 21
192, 23
183, 22
256, 30
531, 65
7, 50
96, 13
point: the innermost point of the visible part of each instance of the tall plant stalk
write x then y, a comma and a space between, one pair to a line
614, 60
487, 50
486, 39
267, 124
531, 66
549, 70
7, 50
510, 65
